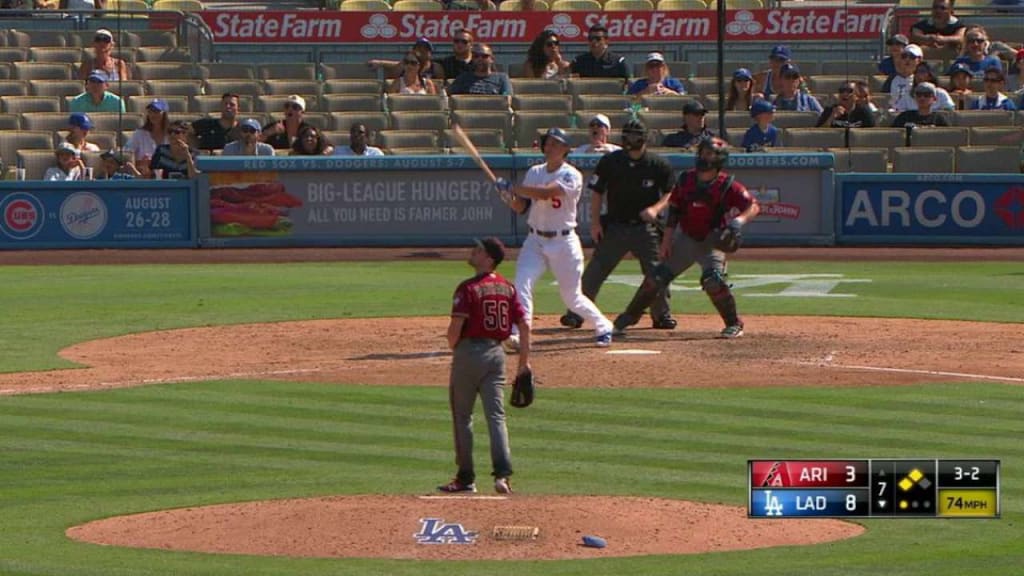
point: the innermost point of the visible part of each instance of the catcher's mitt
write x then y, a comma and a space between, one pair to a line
728, 239
522, 389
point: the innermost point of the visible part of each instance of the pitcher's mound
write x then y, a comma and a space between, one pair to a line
458, 527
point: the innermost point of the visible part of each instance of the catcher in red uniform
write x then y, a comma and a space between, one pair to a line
707, 210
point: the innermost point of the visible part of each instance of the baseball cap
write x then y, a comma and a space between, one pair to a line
494, 248
557, 134
80, 120
67, 147
112, 154
694, 107
424, 42
97, 76
789, 70
655, 57
742, 74
158, 104
761, 106
296, 99
897, 39
600, 119
103, 32
959, 67
925, 88
914, 50
781, 52
483, 49
250, 123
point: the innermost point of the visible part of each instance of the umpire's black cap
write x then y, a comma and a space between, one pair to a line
494, 248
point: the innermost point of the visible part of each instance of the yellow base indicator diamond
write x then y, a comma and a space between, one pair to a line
906, 484
964, 503
915, 475
903, 504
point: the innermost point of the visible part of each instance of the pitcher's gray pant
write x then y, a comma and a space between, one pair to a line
478, 368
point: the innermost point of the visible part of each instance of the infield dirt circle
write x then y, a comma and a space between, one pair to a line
777, 351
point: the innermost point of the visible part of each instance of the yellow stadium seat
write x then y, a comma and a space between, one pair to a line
576, 5
364, 6
682, 5
513, 5
416, 6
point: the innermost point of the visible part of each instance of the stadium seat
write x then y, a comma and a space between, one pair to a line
12, 141
174, 87
36, 38
526, 124
923, 159
45, 121
988, 159
353, 86
240, 86
537, 102
939, 136
681, 5
348, 71
982, 118
139, 7
494, 141
416, 6
10, 121
410, 102
70, 55
514, 6
579, 86
737, 4
112, 122
364, 6
628, 5
484, 120
304, 88
152, 38
816, 137
210, 104
273, 103
42, 70
419, 120
793, 119
523, 86
286, 71
179, 5
176, 104
162, 54
374, 121
424, 139
17, 88
464, 102
853, 69
662, 120
602, 102
860, 160
225, 70
14, 55
822, 84
665, 103
104, 139
887, 138
991, 135
576, 5
167, 71
22, 104
351, 102
709, 68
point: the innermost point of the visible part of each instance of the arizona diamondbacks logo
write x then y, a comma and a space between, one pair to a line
435, 531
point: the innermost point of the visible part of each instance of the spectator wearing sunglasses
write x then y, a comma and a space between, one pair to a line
942, 30
461, 58
924, 114
901, 97
311, 142
789, 97
153, 133
248, 143
976, 56
848, 111
177, 158
96, 97
412, 80
600, 61
283, 133
658, 80
993, 99
424, 50
544, 58
358, 138
103, 59
483, 79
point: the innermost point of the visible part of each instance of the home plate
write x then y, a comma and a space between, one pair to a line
634, 351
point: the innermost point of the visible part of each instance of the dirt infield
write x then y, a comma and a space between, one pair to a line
784, 351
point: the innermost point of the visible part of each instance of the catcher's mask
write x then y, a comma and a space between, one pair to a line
715, 160
634, 135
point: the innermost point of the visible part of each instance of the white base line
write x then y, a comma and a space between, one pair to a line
913, 371
467, 497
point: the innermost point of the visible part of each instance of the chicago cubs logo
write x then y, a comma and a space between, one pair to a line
435, 531
83, 215
21, 215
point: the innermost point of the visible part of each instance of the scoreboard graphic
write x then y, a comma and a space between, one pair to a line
916, 488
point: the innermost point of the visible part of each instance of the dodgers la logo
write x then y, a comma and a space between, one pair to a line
436, 531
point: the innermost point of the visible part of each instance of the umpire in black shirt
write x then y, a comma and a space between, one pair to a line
630, 180
600, 62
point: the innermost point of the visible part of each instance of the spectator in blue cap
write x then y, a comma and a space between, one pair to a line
152, 134
741, 90
96, 97
248, 143
424, 50
79, 125
960, 85
894, 44
768, 82
790, 97
762, 134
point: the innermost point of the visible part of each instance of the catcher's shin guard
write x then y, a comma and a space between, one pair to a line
718, 290
659, 278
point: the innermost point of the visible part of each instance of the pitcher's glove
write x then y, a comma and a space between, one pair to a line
522, 389
730, 238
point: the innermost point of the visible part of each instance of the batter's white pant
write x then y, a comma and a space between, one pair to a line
563, 255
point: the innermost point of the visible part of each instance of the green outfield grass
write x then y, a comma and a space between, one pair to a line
69, 458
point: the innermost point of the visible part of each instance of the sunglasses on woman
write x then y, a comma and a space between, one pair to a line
291, 106
551, 43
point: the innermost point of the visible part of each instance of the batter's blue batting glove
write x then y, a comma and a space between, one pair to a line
503, 185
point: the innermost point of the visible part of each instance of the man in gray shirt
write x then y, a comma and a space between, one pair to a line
483, 79
248, 143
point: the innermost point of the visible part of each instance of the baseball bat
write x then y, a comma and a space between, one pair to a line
465, 142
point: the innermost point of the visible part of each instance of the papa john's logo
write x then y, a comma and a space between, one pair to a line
83, 215
23, 215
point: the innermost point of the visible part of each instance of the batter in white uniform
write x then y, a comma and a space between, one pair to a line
551, 192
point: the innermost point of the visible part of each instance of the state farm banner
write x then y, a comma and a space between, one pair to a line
324, 27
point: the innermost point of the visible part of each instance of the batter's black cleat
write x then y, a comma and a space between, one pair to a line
571, 319
621, 323
664, 323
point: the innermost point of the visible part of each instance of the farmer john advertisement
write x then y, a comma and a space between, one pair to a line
250, 204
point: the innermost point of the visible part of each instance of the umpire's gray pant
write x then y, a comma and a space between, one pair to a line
478, 367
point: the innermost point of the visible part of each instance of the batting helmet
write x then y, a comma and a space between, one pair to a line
557, 134
720, 153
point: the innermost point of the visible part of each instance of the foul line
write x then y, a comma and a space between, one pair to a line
457, 497
913, 371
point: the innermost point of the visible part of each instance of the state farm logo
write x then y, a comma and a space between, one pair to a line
562, 25
83, 215
744, 24
378, 27
22, 216
1010, 207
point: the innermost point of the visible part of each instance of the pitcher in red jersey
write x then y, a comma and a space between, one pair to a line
484, 309
705, 201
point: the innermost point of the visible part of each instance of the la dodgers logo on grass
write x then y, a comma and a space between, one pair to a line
436, 531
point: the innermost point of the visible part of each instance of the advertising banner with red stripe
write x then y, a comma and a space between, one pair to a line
320, 27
